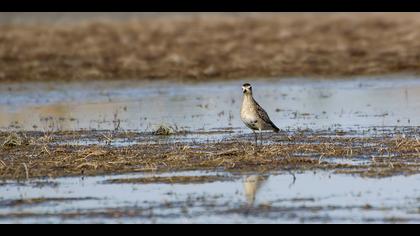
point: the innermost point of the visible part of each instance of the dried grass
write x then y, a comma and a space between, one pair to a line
164, 130
383, 156
13, 140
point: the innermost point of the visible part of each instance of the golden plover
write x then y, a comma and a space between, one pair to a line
253, 115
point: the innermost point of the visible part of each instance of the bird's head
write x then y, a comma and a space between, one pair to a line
246, 88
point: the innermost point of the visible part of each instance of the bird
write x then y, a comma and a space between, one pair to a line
253, 115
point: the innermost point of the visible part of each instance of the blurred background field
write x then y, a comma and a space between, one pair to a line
205, 46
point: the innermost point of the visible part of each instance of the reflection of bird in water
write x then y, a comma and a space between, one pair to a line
252, 184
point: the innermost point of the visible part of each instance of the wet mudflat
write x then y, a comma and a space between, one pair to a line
275, 197
162, 152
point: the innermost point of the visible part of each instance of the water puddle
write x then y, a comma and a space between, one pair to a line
107, 139
143, 106
213, 197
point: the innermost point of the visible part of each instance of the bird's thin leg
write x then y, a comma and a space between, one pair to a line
261, 139
256, 138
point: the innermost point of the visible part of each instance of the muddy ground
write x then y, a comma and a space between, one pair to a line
28, 155
200, 47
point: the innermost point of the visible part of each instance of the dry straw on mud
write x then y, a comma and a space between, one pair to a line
13, 140
382, 156
164, 130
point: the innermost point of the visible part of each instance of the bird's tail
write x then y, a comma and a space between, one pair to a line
275, 128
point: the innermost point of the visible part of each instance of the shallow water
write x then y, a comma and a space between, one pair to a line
142, 106
210, 112
72, 17
310, 197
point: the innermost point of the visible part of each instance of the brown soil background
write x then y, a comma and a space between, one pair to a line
200, 47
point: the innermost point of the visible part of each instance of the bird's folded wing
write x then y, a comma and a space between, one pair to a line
263, 114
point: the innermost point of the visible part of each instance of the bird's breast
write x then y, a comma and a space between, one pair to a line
248, 115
